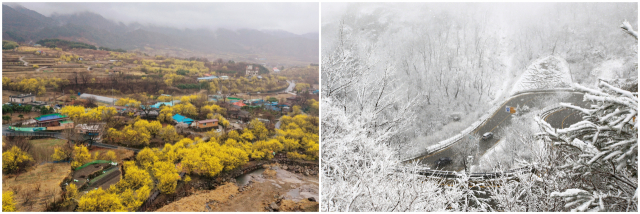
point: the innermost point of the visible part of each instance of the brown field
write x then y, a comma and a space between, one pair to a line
197, 201
47, 97
29, 115
44, 148
36, 188
48, 142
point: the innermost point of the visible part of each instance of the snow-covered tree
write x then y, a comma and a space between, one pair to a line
603, 154
362, 114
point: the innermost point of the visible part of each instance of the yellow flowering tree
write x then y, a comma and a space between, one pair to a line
100, 201
146, 157
128, 102
13, 159
263, 149
110, 155
167, 176
165, 114
258, 129
169, 134
186, 109
60, 154
81, 156
71, 193
8, 204
73, 112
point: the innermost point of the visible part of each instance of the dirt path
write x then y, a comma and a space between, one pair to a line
25, 62
38, 70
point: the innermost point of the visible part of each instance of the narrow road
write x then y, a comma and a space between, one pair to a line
292, 85
501, 119
563, 118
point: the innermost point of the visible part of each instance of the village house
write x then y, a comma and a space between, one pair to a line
236, 113
252, 70
244, 116
89, 129
265, 121
23, 98
94, 130
50, 120
63, 125
204, 124
151, 114
239, 104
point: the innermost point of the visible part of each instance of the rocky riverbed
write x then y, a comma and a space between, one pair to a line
279, 187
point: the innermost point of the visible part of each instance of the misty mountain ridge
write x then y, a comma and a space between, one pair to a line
24, 25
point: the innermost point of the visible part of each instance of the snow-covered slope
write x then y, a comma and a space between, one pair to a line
610, 69
545, 73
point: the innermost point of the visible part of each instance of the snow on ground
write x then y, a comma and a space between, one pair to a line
545, 73
609, 69
418, 145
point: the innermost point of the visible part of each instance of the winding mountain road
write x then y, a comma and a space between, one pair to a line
502, 119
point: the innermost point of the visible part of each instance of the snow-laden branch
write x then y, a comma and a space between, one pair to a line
584, 199
617, 90
588, 90
578, 108
629, 29
613, 149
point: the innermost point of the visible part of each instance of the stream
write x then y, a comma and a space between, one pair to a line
244, 179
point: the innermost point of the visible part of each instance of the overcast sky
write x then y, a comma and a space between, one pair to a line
297, 18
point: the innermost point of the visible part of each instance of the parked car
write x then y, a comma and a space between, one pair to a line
487, 136
442, 162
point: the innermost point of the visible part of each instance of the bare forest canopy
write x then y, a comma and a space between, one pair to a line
64, 44
27, 26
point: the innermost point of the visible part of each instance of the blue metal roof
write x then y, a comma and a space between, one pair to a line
158, 104
182, 119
